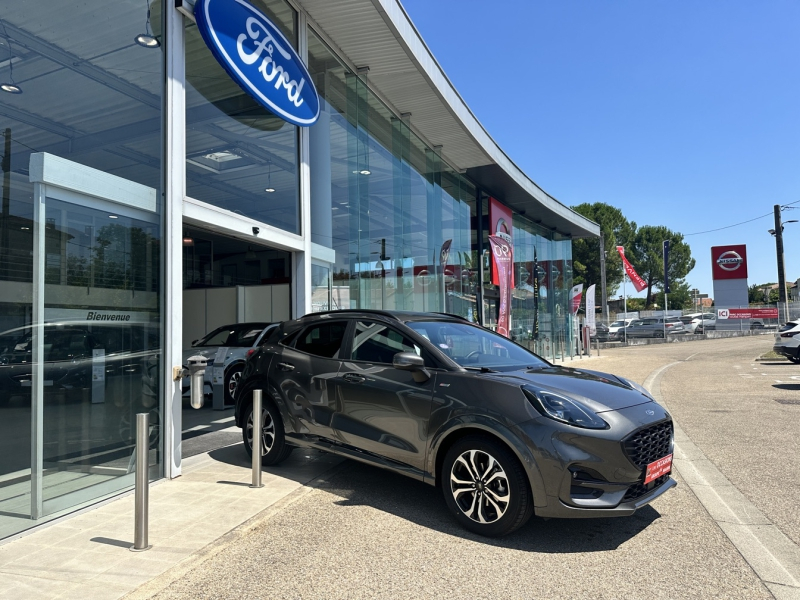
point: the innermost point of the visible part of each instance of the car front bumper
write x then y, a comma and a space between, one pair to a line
593, 473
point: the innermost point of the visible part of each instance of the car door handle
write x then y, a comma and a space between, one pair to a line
354, 378
285, 366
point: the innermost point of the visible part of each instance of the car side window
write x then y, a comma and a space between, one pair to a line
323, 339
378, 343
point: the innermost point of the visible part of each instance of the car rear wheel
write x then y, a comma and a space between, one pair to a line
485, 487
273, 442
232, 378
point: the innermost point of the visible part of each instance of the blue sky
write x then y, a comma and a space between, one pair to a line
681, 113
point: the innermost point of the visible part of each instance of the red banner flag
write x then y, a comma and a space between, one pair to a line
637, 281
503, 260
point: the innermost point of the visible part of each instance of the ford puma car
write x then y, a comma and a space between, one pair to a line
503, 433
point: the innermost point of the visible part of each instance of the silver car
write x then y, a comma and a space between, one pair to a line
234, 343
654, 327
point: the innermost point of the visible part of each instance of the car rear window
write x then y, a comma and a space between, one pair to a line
788, 326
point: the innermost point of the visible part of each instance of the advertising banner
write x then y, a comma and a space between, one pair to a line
577, 294
637, 281
747, 313
503, 263
535, 271
500, 225
590, 308
729, 262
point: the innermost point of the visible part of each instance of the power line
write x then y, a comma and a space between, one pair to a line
769, 214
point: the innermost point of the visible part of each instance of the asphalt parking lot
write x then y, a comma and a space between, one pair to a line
367, 533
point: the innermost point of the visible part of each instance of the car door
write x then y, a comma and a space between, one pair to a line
302, 374
636, 329
383, 410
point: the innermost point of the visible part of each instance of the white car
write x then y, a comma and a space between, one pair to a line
615, 329
787, 341
237, 342
699, 322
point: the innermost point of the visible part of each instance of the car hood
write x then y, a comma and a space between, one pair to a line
208, 353
600, 392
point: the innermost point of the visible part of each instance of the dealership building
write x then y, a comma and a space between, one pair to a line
151, 195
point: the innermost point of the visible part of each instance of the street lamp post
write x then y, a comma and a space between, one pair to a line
778, 233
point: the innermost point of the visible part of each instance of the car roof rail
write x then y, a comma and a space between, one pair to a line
459, 317
362, 311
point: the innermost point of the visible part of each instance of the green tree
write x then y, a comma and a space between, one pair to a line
617, 231
756, 293
647, 257
679, 297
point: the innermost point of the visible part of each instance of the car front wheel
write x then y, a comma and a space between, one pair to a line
485, 487
232, 378
273, 442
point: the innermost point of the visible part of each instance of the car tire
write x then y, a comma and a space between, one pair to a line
233, 377
504, 499
795, 359
274, 447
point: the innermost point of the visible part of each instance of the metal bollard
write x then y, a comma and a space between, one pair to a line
142, 493
257, 440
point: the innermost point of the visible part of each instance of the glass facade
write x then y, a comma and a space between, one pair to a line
239, 155
83, 274
386, 203
80, 253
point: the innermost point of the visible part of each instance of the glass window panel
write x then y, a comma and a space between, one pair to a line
94, 100
378, 343
240, 156
322, 340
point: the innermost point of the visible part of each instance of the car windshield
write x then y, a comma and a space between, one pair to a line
242, 335
618, 324
474, 347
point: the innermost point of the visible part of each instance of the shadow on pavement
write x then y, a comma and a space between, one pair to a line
111, 542
363, 485
294, 468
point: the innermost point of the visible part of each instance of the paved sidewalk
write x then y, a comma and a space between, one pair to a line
87, 557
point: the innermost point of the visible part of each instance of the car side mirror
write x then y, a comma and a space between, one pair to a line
408, 361
194, 343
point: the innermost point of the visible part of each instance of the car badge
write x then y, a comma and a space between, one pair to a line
649, 412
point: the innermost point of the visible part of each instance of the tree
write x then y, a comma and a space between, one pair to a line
647, 257
617, 231
680, 296
763, 293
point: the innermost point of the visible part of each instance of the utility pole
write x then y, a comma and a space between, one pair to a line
604, 298
779, 253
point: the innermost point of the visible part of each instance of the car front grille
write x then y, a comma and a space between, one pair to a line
638, 490
649, 444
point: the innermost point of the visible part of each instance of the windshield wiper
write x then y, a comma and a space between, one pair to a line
481, 369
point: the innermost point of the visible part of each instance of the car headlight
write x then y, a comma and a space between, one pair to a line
562, 409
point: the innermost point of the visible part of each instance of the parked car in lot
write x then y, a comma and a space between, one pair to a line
602, 333
236, 341
699, 322
655, 327
503, 433
615, 329
787, 341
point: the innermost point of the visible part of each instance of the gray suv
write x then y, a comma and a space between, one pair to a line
655, 327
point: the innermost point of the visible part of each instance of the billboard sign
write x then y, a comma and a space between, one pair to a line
729, 262
747, 313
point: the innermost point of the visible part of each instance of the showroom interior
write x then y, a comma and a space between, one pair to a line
149, 199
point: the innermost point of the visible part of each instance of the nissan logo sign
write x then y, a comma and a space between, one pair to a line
730, 260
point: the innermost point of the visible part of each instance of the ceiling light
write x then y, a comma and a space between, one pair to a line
11, 88
187, 241
250, 255
269, 189
146, 41
365, 172
113, 217
25, 228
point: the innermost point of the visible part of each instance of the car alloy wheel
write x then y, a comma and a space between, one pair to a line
232, 380
480, 486
267, 432
485, 486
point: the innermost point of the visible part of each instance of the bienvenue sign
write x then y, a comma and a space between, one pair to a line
259, 58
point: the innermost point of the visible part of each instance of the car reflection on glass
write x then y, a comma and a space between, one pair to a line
503, 433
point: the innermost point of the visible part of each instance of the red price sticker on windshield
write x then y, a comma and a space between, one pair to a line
658, 468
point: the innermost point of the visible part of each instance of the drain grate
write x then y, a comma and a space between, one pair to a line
793, 401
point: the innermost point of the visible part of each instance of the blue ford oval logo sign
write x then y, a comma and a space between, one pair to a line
259, 58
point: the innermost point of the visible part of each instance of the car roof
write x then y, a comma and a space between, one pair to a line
397, 315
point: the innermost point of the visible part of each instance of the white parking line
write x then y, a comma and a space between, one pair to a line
225, 420
773, 556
